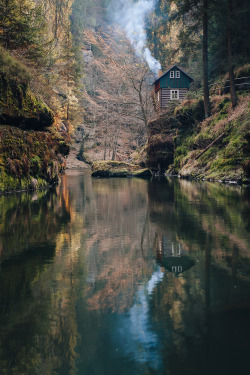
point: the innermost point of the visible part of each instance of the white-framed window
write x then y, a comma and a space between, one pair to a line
174, 94
177, 74
172, 74
158, 95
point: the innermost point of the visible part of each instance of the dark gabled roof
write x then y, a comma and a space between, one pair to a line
168, 71
184, 261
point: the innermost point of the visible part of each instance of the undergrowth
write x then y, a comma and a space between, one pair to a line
229, 157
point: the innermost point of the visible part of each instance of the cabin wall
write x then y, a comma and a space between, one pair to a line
166, 96
163, 97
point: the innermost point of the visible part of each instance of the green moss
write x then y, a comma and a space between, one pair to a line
27, 155
14, 70
18, 106
118, 169
229, 157
193, 110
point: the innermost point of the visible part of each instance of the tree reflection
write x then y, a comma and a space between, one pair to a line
207, 221
124, 275
29, 226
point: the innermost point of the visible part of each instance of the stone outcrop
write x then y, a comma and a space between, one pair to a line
118, 169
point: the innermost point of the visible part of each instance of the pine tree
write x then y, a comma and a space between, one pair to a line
21, 26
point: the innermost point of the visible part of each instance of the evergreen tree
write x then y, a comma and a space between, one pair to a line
21, 25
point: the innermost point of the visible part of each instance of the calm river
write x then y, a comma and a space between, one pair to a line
127, 277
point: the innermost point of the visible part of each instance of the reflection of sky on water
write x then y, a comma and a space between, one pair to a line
139, 342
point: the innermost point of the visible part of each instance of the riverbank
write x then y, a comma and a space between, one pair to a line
216, 149
30, 159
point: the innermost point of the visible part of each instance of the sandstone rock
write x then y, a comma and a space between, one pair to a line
34, 183
118, 169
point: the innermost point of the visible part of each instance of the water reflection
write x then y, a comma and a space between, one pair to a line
172, 256
139, 341
125, 275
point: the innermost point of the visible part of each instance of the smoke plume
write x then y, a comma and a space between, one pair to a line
131, 16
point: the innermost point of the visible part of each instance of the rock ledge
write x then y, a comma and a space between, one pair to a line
118, 169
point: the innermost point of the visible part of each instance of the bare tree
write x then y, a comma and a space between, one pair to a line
121, 89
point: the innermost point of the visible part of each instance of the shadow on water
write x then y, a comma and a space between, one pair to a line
139, 277
29, 224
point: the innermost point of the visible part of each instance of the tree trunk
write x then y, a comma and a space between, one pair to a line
67, 112
205, 59
229, 51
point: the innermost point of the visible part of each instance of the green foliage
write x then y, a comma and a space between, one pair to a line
229, 157
218, 35
190, 112
22, 25
14, 71
186, 21
118, 169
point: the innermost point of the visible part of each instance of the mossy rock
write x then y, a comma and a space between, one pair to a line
26, 156
118, 169
18, 105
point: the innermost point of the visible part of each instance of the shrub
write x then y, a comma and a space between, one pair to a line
35, 165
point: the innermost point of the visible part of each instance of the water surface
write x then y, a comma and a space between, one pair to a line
127, 276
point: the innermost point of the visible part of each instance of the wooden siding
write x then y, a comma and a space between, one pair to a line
175, 83
163, 96
166, 96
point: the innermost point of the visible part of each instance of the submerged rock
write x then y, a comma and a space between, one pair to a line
118, 169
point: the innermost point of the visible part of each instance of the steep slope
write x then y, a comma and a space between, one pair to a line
217, 148
31, 149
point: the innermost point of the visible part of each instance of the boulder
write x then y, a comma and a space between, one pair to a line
118, 169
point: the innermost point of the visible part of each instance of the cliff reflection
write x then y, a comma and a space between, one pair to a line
118, 248
38, 328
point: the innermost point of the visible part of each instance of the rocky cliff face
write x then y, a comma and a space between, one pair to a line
160, 148
32, 151
18, 105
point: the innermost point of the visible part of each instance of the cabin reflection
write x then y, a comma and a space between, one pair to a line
171, 255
